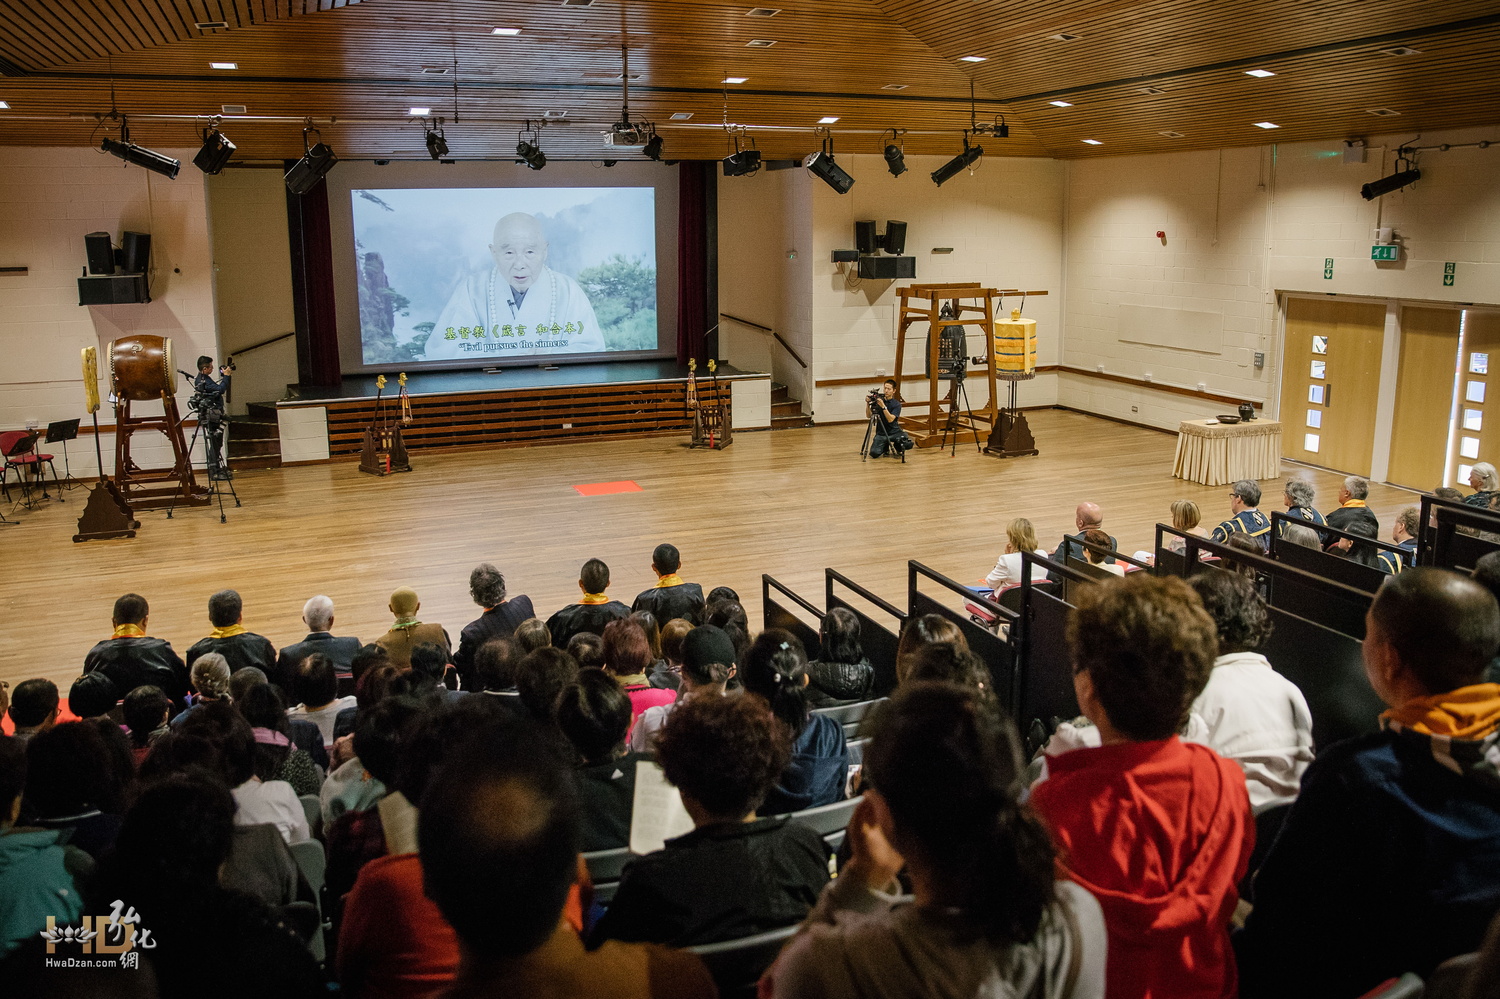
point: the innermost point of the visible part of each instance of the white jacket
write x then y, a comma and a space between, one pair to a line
1258, 718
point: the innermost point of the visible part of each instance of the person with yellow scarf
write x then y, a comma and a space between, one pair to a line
131, 658
1389, 860
670, 597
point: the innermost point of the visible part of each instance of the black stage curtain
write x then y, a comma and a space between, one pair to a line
697, 294
312, 287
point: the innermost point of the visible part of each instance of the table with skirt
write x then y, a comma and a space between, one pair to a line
1214, 453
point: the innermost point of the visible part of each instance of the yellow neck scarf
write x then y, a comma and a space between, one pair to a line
128, 631
1465, 713
1355, 502
670, 579
594, 598
229, 632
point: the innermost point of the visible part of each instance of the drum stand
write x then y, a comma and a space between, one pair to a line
133, 480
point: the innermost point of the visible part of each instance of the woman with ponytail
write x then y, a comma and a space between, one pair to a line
985, 919
775, 669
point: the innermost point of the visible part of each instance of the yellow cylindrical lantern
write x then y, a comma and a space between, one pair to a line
1015, 347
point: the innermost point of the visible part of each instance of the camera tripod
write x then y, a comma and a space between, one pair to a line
876, 429
215, 461
951, 425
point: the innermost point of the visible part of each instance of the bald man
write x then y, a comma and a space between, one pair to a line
1087, 517
518, 306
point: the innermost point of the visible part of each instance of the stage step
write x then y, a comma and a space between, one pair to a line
786, 412
261, 412
255, 441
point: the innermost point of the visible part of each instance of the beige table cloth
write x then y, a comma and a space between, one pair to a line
1215, 453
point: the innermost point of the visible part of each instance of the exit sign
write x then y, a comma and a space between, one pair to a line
1388, 251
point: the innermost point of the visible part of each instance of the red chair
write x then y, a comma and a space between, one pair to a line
23, 460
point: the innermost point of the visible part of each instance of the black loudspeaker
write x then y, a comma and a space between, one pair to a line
102, 255
864, 236
887, 267
137, 248
117, 289
894, 242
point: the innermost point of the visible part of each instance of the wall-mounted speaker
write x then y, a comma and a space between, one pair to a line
864, 236
101, 254
894, 241
113, 289
887, 268
137, 252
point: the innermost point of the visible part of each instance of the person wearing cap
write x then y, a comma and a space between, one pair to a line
408, 632
707, 664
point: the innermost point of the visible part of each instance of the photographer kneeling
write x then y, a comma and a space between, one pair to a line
883, 405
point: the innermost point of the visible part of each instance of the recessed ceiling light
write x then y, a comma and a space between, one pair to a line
1062, 36
223, 65
1382, 112
4, 106
435, 70
232, 108
210, 25
1061, 104
506, 31
1093, 142
827, 119
1401, 50
894, 86
735, 79
578, 3
1262, 73
1171, 135
972, 58
760, 43
1266, 124
763, 12
682, 116
419, 112
1152, 90
555, 114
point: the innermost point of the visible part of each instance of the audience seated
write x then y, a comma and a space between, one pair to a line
594, 714
503, 877
34, 706
1298, 535
499, 620
730, 617
1487, 574
317, 614
407, 631
721, 593
315, 686
37, 866
495, 665
1158, 830
540, 677
351, 786
1356, 551
1245, 516
256, 800
429, 664
209, 940
775, 669
532, 634
985, 917
627, 656
1404, 533
146, 712
587, 649
708, 663
1389, 861
1485, 482
925, 629
240, 648
652, 630
1298, 497
368, 658
275, 756
129, 657
942, 662
210, 674
1352, 508
670, 597
1099, 539
734, 875
72, 787
1087, 515
93, 695
1187, 519
1248, 712
841, 674
592, 612
1020, 537
667, 673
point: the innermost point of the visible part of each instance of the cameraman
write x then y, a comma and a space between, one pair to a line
208, 399
886, 408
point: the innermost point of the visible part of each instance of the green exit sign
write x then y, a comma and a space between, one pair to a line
1388, 251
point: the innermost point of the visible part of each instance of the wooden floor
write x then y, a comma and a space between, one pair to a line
788, 503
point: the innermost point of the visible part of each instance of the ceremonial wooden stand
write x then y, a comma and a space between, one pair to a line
711, 422
384, 452
106, 515
144, 489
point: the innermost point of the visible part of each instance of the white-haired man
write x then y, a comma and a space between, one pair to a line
519, 305
1352, 508
317, 614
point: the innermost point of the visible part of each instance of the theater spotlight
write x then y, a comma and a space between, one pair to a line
1394, 182
314, 165
437, 143
531, 152
741, 162
653, 146
957, 164
216, 151
822, 166
895, 156
140, 155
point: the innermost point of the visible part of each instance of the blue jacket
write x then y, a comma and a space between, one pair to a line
34, 884
817, 773
1388, 862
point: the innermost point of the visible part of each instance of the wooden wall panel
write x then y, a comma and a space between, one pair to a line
1424, 396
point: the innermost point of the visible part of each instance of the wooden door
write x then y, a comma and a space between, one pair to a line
1478, 425
1424, 397
1330, 382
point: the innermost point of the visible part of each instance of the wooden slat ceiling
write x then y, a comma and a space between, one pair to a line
1133, 71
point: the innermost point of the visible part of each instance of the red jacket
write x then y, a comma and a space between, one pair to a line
1160, 833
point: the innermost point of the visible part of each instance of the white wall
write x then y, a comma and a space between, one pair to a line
49, 198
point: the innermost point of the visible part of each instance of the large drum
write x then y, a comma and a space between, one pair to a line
141, 367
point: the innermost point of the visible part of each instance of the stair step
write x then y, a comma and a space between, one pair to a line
238, 448
253, 430
780, 394
256, 461
262, 411
789, 422
791, 408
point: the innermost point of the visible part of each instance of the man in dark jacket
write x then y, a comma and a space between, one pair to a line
670, 597
499, 620
240, 648
1389, 860
130, 658
1352, 509
317, 614
591, 613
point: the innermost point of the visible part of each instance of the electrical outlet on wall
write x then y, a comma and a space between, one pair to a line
1135, 409
879, 372
32, 424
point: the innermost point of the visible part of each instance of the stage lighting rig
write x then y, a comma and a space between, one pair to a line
895, 154
148, 159
531, 152
437, 142
958, 164
822, 166
317, 159
742, 162
1406, 173
216, 151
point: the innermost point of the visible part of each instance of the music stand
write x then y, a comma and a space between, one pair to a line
60, 432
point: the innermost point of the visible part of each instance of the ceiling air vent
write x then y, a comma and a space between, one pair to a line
232, 108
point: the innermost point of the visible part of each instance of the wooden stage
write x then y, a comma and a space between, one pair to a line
786, 502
